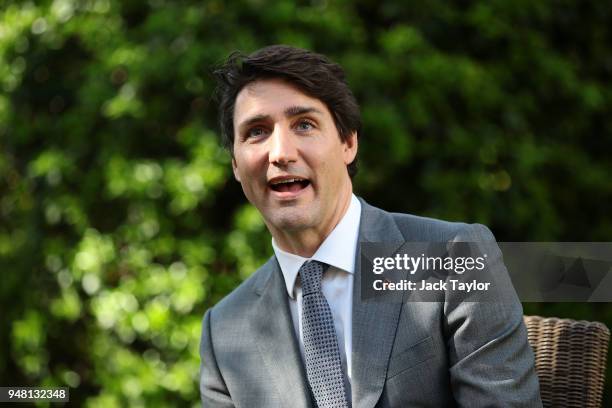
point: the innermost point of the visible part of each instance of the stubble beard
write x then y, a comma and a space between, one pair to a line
292, 219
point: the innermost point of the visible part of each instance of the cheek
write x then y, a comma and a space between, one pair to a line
329, 173
252, 173
247, 163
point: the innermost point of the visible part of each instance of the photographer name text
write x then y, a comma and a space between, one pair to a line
440, 285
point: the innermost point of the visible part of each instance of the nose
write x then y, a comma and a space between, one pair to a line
282, 147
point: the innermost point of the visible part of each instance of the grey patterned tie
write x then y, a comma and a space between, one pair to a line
323, 365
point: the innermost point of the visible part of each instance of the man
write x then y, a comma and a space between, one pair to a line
297, 332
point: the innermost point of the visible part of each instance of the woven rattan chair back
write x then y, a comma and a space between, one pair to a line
570, 360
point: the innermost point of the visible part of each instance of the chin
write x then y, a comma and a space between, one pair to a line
291, 220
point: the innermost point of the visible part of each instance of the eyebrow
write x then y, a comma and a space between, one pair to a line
300, 110
289, 112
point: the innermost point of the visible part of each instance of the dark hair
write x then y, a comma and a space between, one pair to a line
312, 73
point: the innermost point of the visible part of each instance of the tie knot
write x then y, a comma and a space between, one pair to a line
311, 274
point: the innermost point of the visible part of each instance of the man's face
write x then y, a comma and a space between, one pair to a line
290, 159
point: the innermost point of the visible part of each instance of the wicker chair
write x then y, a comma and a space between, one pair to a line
570, 360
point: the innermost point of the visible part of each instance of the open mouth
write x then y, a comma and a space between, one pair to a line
288, 185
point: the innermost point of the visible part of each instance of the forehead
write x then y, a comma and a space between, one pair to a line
271, 97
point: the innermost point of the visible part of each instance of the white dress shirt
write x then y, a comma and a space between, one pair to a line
338, 250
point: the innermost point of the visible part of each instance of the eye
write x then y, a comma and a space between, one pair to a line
255, 132
305, 125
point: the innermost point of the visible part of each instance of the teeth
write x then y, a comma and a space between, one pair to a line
286, 181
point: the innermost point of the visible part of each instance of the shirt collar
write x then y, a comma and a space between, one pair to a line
337, 250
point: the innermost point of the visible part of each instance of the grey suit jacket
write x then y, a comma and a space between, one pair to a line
436, 354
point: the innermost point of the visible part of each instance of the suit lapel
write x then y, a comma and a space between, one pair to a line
275, 338
374, 321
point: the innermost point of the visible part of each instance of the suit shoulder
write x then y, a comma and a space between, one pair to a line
243, 296
419, 228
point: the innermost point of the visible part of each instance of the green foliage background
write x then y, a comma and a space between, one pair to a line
120, 222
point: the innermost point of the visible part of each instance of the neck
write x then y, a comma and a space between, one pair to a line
306, 242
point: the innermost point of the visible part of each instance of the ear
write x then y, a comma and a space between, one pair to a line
350, 146
235, 169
